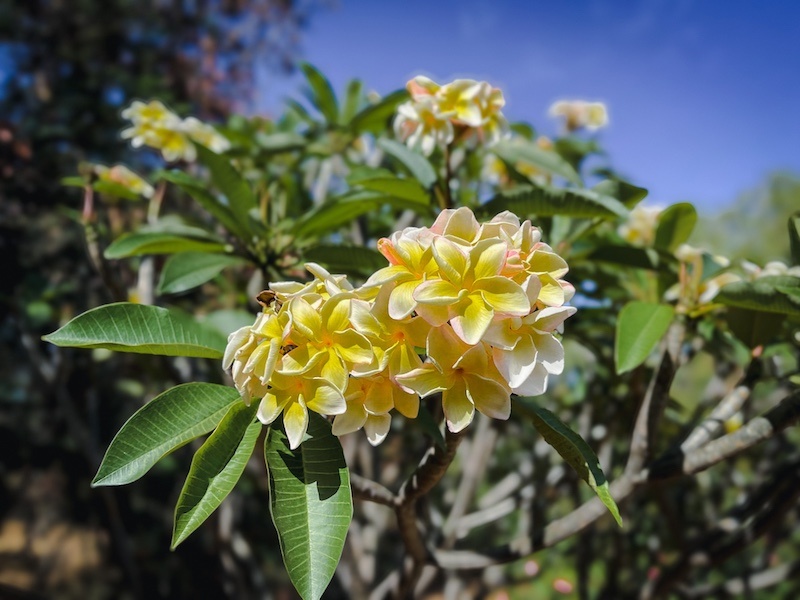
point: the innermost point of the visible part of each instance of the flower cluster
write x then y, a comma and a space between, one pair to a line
579, 114
437, 113
464, 309
640, 228
154, 125
122, 175
694, 292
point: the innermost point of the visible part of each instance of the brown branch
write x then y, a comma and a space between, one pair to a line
371, 491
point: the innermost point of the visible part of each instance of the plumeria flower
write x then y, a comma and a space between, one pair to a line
466, 377
458, 225
122, 175
461, 101
579, 114
640, 228
420, 124
205, 135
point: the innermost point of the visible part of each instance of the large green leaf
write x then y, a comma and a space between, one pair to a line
675, 225
640, 326
573, 449
154, 242
416, 164
754, 327
376, 116
189, 269
352, 100
794, 237
627, 193
141, 329
773, 294
216, 467
405, 189
352, 260
547, 201
164, 424
322, 93
311, 504
230, 182
519, 150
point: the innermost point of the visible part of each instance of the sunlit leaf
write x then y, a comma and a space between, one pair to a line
630, 195
546, 201
416, 164
675, 225
187, 270
154, 242
519, 150
640, 326
322, 93
774, 294
375, 117
405, 189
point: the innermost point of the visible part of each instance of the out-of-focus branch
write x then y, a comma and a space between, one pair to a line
96, 257
736, 587
372, 491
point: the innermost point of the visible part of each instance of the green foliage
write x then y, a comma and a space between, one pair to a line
322, 94
237, 191
546, 160
794, 237
773, 294
675, 225
310, 503
417, 165
640, 326
352, 260
154, 242
187, 270
544, 201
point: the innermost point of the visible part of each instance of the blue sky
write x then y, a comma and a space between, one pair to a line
703, 95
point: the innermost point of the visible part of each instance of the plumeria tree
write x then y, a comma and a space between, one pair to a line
463, 290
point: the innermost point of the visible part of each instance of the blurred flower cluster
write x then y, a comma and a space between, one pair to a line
579, 114
640, 228
122, 175
465, 309
437, 115
154, 125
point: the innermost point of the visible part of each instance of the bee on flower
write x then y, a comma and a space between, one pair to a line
579, 114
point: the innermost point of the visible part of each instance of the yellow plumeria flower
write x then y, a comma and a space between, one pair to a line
471, 290
421, 125
640, 228
154, 125
579, 114
205, 135
294, 397
461, 101
466, 377
122, 175
458, 225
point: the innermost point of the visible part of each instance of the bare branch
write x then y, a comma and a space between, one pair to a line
371, 491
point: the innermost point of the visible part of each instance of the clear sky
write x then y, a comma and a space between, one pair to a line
703, 95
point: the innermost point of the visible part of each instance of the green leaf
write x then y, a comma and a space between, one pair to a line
675, 225
216, 467
630, 195
311, 504
115, 190
520, 150
352, 260
405, 189
573, 449
754, 327
281, 141
74, 181
164, 424
640, 258
141, 329
640, 326
154, 242
416, 164
546, 201
773, 294
352, 100
375, 117
794, 237
187, 270
230, 182
322, 93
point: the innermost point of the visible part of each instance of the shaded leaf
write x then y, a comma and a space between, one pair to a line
139, 244
640, 258
630, 195
352, 100
216, 467
375, 117
520, 150
322, 93
573, 449
280, 142
416, 164
640, 326
230, 182
546, 201
310, 503
774, 294
164, 424
352, 260
187, 270
405, 189
141, 329
794, 237
675, 225
754, 327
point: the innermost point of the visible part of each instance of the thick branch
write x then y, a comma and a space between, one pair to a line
372, 491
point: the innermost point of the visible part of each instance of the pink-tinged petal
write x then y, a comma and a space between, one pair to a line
516, 365
377, 428
270, 407
444, 348
451, 259
438, 292
379, 398
401, 300
434, 316
487, 258
353, 347
489, 397
351, 420
474, 320
305, 319
458, 408
551, 353
324, 398
424, 381
406, 403
550, 318
535, 385
295, 421
504, 296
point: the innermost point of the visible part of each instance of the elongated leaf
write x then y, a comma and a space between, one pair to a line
794, 237
216, 467
675, 225
416, 164
164, 424
375, 117
141, 329
196, 188
322, 93
547, 201
115, 190
773, 294
189, 269
352, 100
138, 244
627, 193
754, 327
280, 141
231, 183
640, 258
573, 449
405, 189
352, 260
519, 150
640, 326
310, 503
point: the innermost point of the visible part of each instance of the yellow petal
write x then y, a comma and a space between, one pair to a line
379, 397
487, 258
489, 397
324, 398
295, 421
504, 296
353, 347
270, 407
335, 313
351, 420
334, 371
406, 403
401, 300
451, 260
458, 409
305, 319
474, 319
425, 381
377, 428
438, 292
444, 347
